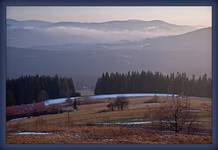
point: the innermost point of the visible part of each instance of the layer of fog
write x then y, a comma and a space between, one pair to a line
32, 36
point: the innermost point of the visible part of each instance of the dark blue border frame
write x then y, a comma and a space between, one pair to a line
6, 3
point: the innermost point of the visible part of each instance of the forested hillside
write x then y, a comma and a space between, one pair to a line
29, 89
149, 82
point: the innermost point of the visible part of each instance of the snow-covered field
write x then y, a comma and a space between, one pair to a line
57, 100
99, 97
127, 95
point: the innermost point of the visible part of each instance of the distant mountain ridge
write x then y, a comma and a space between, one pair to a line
163, 41
36, 32
21, 24
120, 25
115, 25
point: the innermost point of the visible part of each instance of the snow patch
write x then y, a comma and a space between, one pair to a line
19, 119
57, 101
54, 101
32, 133
128, 95
96, 97
127, 123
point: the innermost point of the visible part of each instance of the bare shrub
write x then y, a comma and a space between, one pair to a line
120, 103
176, 115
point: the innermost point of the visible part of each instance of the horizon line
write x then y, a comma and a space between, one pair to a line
108, 21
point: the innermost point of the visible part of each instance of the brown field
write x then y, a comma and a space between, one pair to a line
83, 127
106, 135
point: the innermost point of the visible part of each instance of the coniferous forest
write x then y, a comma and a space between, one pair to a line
30, 89
150, 82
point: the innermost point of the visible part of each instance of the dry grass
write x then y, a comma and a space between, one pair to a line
89, 114
107, 135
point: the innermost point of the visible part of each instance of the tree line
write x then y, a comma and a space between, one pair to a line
30, 89
153, 82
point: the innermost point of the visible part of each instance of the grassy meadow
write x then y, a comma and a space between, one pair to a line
95, 123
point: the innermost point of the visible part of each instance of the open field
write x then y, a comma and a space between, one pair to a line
107, 135
86, 125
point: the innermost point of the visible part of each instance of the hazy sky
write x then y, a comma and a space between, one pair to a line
185, 15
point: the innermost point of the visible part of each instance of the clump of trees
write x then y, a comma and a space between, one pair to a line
149, 82
29, 89
120, 103
176, 115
